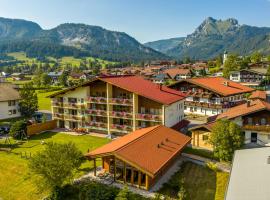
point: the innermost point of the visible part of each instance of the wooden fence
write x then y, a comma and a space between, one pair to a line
40, 127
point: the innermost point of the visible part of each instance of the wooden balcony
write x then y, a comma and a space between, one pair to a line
71, 117
204, 105
95, 112
123, 115
57, 104
149, 117
96, 125
121, 128
98, 100
121, 101
262, 128
73, 105
58, 116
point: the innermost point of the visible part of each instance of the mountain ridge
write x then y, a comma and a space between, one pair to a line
212, 37
76, 37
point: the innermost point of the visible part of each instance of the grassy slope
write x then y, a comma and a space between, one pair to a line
44, 103
201, 183
16, 182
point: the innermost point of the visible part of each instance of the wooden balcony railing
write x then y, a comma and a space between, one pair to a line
204, 105
58, 116
73, 105
102, 100
96, 112
264, 128
118, 114
73, 117
122, 128
57, 104
120, 101
148, 117
96, 125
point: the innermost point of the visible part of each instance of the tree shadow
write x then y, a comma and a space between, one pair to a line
43, 136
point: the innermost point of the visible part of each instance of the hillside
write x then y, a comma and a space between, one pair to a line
72, 40
213, 37
165, 45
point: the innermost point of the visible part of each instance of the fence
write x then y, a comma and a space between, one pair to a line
40, 127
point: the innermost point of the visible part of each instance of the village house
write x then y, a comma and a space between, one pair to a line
211, 95
129, 162
117, 105
55, 76
253, 117
178, 73
9, 101
249, 77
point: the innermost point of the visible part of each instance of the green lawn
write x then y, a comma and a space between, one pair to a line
44, 103
201, 183
15, 179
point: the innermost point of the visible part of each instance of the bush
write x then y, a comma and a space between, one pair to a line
17, 129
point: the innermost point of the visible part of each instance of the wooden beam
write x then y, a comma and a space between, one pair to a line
114, 171
146, 182
139, 179
132, 176
125, 172
95, 167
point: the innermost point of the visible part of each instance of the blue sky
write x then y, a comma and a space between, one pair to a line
146, 20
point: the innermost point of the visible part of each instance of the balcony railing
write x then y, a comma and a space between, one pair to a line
148, 117
97, 125
121, 128
118, 114
73, 117
57, 104
58, 116
96, 112
263, 128
204, 105
73, 105
102, 100
120, 101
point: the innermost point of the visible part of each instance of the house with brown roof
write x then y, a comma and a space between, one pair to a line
253, 117
9, 101
129, 162
211, 95
178, 73
117, 105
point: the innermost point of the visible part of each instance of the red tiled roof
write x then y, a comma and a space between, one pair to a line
244, 109
217, 84
148, 89
258, 95
175, 71
149, 149
183, 123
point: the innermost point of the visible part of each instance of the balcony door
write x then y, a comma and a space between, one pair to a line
253, 138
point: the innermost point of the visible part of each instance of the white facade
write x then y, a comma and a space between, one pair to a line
174, 113
235, 76
9, 109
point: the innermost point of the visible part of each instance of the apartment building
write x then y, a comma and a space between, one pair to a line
9, 101
211, 95
117, 105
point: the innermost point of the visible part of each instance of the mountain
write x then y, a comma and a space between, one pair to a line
71, 39
166, 44
213, 37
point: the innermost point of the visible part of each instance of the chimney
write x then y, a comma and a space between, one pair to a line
248, 103
226, 83
160, 86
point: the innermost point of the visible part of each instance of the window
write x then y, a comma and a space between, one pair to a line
185, 108
11, 103
205, 137
195, 109
263, 121
14, 112
82, 100
250, 121
268, 137
214, 111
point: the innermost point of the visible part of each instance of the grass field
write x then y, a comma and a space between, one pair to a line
201, 183
44, 103
15, 178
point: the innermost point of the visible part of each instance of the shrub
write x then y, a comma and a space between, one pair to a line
17, 129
